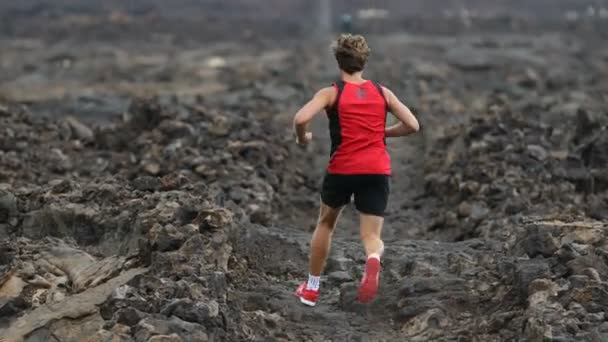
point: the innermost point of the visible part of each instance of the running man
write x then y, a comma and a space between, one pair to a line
359, 164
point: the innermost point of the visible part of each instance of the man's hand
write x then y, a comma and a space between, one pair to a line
306, 140
303, 117
408, 125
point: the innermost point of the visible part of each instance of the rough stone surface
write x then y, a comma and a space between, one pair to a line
150, 188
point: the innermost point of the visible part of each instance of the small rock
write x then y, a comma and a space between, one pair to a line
593, 274
189, 311
579, 309
591, 265
527, 271
339, 264
13, 306
4, 110
165, 338
4, 229
103, 335
451, 219
121, 329
128, 316
176, 129
514, 206
578, 281
559, 155
567, 252
538, 152
145, 114
121, 292
61, 187
256, 302
215, 62
185, 214
205, 171
539, 241
80, 130
217, 284
220, 126
201, 169
530, 78
542, 285
146, 183
8, 205
340, 276
425, 321
165, 238
464, 209
596, 317
60, 161
172, 181
270, 320
479, 211
213, 218
263, 217
152, 168
585, 236
27, 270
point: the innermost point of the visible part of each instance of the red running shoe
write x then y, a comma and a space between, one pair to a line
369, 284
308, 297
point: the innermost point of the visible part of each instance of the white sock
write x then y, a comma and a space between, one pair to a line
313, 282
374, 255
377, 255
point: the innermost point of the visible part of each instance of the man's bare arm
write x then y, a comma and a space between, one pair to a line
408, 123
303, 117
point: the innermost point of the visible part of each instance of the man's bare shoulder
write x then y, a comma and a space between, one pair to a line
327, 91
388, 94
387, 91
327, 95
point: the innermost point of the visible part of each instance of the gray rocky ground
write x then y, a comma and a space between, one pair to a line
150, 189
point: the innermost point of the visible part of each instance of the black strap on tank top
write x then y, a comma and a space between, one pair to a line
334, 107
335, 130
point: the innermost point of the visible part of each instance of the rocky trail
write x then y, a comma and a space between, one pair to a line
150, 188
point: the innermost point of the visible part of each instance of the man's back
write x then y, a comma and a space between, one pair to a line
357, 129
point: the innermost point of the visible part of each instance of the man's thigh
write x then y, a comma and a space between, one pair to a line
371, 194
336, 191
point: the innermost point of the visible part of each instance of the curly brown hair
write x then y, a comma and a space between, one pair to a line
351, 52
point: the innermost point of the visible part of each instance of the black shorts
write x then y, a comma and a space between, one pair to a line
371, 192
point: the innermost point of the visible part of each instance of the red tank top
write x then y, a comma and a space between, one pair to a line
357, 123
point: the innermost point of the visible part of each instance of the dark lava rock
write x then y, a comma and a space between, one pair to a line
146, 183
527, 271
128, 316
539, 241
146, 114
189, 311
8, 205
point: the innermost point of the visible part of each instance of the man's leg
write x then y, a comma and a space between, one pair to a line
319, 249
371, 230
321, 238
371, 199
335, 194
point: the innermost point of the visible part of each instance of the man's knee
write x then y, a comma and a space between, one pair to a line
327, 222
329, 217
